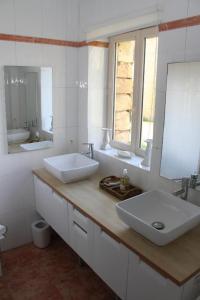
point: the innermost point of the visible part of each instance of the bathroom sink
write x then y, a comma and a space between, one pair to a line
19, 135
71, 167
36, 145
159, 216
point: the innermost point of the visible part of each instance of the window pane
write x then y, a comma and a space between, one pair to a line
124, 80
149, 90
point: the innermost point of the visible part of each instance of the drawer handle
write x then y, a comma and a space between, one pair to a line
81, 228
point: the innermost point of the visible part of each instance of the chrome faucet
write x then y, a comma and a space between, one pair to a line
183, 192
90, 152
26, 125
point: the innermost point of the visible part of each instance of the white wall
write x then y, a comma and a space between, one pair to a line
93, 62
41, 18
47, 18
174, 46
106, 12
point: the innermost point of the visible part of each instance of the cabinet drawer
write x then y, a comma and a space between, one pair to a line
80, 219
81, 232
111, 261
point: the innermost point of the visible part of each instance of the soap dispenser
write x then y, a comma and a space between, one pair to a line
124, 180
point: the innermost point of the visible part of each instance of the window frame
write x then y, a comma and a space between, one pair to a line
139, 36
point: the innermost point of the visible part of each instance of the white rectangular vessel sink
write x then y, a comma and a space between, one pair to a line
71, 167
159, 216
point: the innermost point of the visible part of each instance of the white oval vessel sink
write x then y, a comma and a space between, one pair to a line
19, 135
71, 167
159, 216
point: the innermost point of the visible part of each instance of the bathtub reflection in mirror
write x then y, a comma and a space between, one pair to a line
28, 101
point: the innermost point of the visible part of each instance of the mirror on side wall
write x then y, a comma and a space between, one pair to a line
29, 114
181, 141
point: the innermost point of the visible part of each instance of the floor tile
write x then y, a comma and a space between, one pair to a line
53, 273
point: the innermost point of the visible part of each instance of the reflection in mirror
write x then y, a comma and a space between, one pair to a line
29, 116
181, 142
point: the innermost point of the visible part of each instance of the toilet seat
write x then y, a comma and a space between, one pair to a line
3, 231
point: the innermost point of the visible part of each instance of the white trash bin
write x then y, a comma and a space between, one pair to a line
41, 233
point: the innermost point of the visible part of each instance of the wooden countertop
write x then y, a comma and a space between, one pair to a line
178, 261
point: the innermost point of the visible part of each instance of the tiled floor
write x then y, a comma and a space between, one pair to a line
49, 274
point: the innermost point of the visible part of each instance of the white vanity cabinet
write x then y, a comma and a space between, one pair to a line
126, 274
81, 231
145, 283
53, 208
111, 261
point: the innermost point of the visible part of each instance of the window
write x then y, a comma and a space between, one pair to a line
132, 80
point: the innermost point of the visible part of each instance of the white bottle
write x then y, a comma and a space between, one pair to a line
147, 158
106, 139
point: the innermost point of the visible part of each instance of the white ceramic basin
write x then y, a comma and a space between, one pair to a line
37, 146
71, 167
177, 215
19, 135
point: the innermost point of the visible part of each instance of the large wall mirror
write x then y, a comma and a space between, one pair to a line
181, 142
29, 115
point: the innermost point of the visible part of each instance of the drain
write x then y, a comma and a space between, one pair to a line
158, 225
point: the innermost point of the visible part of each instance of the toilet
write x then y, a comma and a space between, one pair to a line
3, 230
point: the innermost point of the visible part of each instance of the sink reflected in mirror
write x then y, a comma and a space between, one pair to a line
28, 102
36, 146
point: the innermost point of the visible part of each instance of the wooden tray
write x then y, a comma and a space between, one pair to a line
131, 190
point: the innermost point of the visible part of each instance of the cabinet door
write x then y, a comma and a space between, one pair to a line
81, 231
145, 283
111, 261
59, 218
53, 208
191, 289
43, 199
